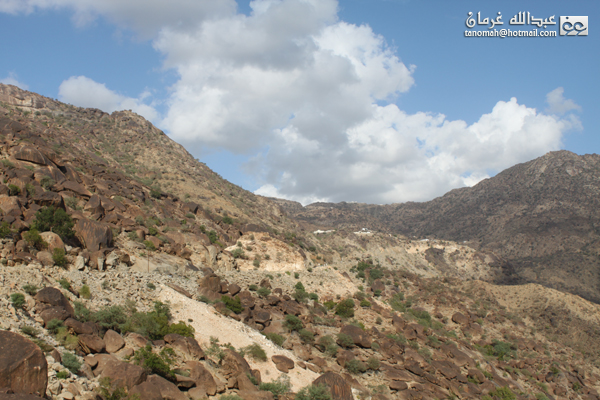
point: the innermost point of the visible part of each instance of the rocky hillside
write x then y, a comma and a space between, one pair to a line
541, 217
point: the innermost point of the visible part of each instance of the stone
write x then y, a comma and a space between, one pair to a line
23, 366
54, 297
188, 346
77, 188
256, 395
459, 318
45, 257
202, 377
340, 389
359, 336
121, 374
147, 391
93, 235
167, 389
51, 313
282, 363
114, 342
54, 241
28, 153
91, 344
49, 199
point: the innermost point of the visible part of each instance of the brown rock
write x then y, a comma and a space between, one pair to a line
54, 241
54, 297
283, 363
188, 346
459, 318
77, 188
184, 382
45, 258
121, 374
167, 389
114, 342
262, 317
93, 235
398, 385
91, 344
233, 364
339, 388
51, 313
137, 339
202, 377
51, 199
233, 289
359, 337
256, 395
23, 367
28, 153
179, 289
245, 384
147, 391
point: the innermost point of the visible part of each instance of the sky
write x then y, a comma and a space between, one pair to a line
376, 101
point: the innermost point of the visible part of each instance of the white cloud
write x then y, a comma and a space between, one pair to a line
146, 17
558, 104
85, 92
312, 97
13, 79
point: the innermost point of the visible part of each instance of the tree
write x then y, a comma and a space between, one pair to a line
50, 219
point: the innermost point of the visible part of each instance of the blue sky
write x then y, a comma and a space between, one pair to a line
373, 101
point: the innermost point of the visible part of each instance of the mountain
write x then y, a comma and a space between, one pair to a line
542, 217
130, 268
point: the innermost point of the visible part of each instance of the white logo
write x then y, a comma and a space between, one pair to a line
573, 26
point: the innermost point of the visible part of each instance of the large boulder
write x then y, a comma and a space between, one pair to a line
93, 235
189, 347
114, 342
122, 374
167, 389
359, 336
339, 387
54, 241
49, 199
27, 153
77, 188
283, 363
53, 297
202, 377
91, 344
23, 367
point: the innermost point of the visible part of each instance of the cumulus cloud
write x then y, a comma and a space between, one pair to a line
13, 79
557, 104
311, 99
85, 92
146, 17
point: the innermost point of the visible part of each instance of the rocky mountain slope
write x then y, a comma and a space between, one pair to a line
124, 278
541, 217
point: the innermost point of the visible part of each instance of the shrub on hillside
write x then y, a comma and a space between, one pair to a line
50, 219
345, 308
314, 392
293, 323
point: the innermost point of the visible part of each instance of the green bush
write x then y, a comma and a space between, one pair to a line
314, 392
293, 323
234, 304
30, 331
71, 362
238, 253
502, 393
46, 182
58, 255
33, 238
212, 236
112, 317
256, 262
84, 292
263, 292
313, 296
365, 303
345, 308
54, 325
299, 286
64, 283
227, 220
373, 363
278, 387
256, 352
159, 364
275, 338
62, 375
30, 289
153, 325
149, 245
253, 288
17, 300
327, 345
155, 193
81, 312
183, 329
306, 336
355, 366
500, 349
5, 230
50, 219
300, 296
14, 190
151, 286
345, 340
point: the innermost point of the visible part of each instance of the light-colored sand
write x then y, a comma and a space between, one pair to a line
208, 322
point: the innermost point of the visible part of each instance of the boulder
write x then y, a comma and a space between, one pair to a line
49, 199
77, 188
147, 391
91, 344
202, 377
114, 342
340, 389
93, 235
54, 241
45, 258
54, 297
51, 313
359, 336
23, 366
121, 374
459, 318
78, 327
28, 153
167, 390
283, 363
188, 346
233, 364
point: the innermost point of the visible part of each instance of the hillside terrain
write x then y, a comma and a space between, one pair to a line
541, 217
130, 270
